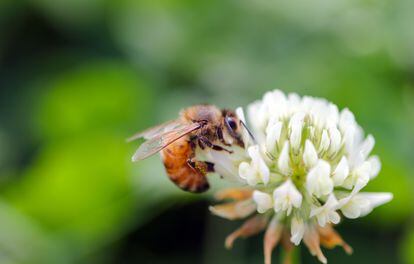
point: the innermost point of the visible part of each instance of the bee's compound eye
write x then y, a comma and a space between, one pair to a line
231, 122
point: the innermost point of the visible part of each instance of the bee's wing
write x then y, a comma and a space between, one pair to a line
160, 141
154, 131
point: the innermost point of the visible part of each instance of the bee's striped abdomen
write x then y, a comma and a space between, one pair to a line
175, 158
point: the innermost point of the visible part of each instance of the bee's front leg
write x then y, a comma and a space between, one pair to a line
201, 166
206, 142
221, 137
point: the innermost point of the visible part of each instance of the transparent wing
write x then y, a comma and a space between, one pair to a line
157, 143
154, 131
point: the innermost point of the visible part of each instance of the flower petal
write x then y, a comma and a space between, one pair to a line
311, 240
367, 146
325, 141
362, 204
284, 160
263, 200
336, 138
271, 238
251, 227
286, 196
329, 238
234, 210
310, 156
318, 180
273, 132
234, 194
262, 171
375, 200
248, 173
375, 166
341, 172
346, 120
297, 229
295, 126
327, 213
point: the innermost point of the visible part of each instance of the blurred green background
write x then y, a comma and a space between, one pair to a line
78, 77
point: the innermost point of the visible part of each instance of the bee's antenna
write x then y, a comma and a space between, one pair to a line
248, 131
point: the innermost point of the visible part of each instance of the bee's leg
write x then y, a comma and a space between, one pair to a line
191, 163
210, 166
193, 144
220, 136
201, 166
201, 144
208, 143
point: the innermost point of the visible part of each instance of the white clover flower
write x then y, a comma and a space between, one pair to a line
306, 167
326, 213
263, 200
297, 230
361, 204
318, 179
256, 170
285, 197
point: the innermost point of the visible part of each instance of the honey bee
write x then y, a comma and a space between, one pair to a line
203, 126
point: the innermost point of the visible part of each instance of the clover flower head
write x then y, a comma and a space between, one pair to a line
304, 170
